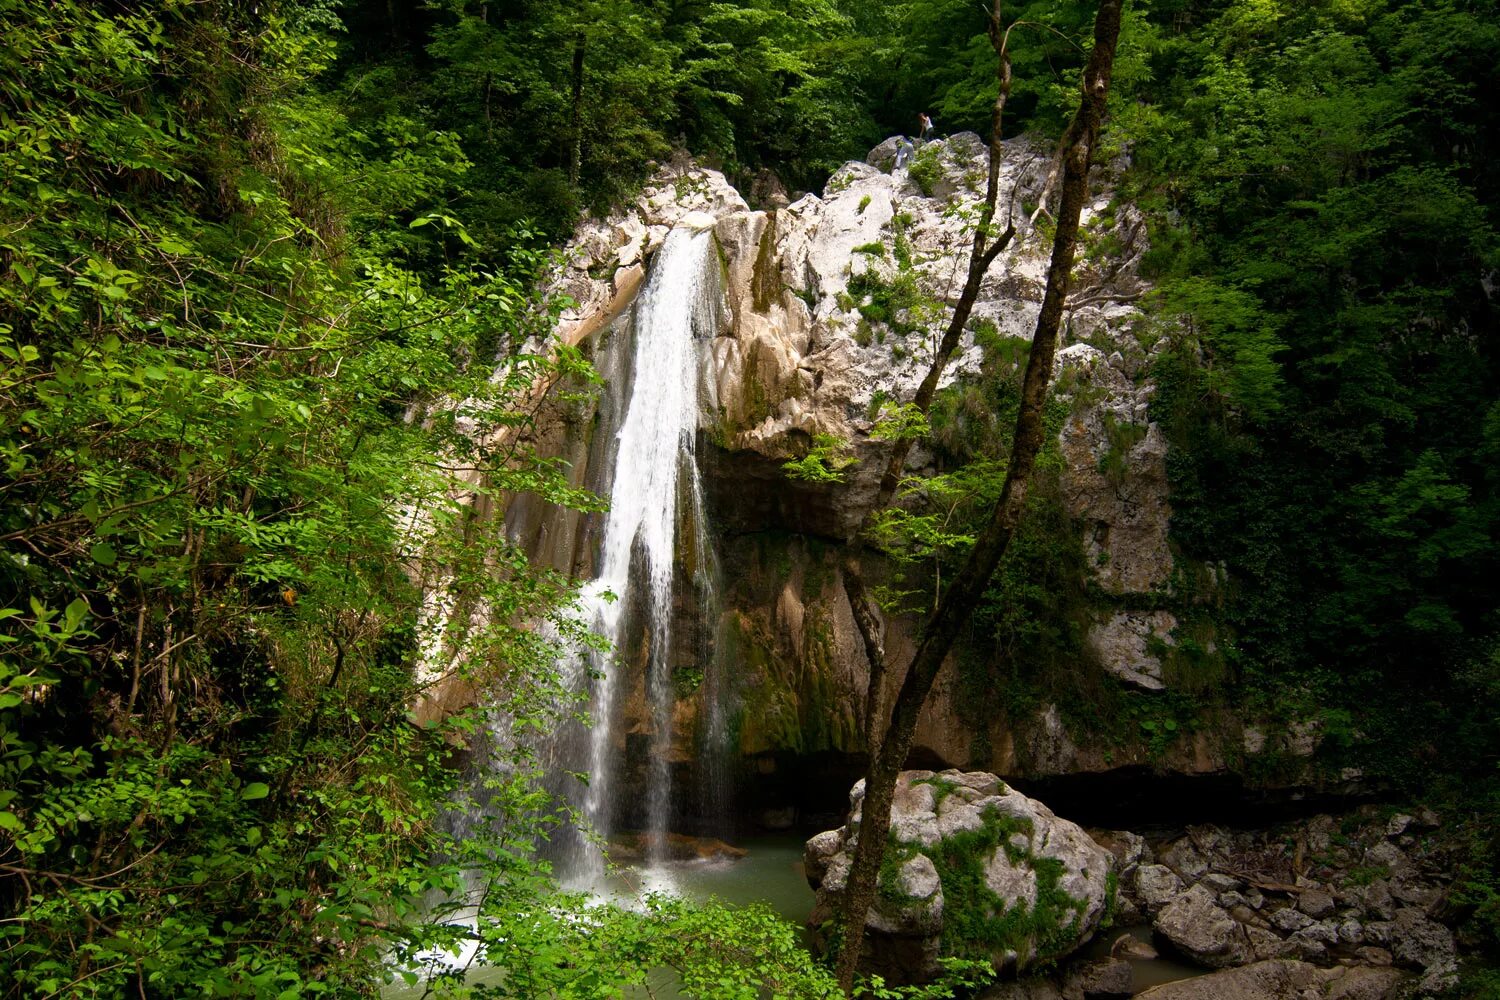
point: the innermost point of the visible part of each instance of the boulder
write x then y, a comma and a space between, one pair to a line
1278, 979
1185, 858
1156, 885
1417, 941
1361, 983
1315, 903
1201, 930
967, 855
1104, 979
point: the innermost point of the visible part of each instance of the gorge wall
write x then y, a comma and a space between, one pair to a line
829, 307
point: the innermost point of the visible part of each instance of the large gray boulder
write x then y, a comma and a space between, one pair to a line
1279, 979
973, 867
1203, 930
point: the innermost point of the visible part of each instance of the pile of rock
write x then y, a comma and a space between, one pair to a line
1308, 893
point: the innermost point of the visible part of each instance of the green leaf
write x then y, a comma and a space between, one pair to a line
102, 553
255, 790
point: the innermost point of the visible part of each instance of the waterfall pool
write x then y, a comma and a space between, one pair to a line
771, 873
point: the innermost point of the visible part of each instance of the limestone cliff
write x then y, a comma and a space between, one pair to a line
831, 306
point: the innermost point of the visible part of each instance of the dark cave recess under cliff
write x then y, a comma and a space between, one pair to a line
784, 792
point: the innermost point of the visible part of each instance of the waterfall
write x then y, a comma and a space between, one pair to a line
655, 496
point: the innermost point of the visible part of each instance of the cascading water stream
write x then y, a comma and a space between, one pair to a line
654, 491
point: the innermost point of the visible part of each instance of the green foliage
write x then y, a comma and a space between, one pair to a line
926, 169
980, 924
210, 565
826, 459
897, 422
897, 303
1329, 370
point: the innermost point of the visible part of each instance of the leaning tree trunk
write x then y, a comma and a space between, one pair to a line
962, 596
982, 254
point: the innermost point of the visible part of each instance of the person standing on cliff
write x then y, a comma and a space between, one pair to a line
924, 130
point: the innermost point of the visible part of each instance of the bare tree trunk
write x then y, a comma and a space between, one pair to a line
981, 255
963, 594
871, 630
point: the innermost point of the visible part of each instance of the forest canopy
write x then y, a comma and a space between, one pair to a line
268, 276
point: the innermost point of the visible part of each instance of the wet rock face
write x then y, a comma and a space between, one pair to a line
973, 868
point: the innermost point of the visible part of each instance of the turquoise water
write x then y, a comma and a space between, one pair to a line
769, 873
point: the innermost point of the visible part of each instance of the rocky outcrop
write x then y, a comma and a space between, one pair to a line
1124, 645
831, 304
973, 867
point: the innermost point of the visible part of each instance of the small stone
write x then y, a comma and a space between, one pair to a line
1267, 944
1371, 955
1416, 940
1246, 916
1183, 857
1255, 898
1316, 903
1219, 882
1127, 945
1289, 920
1229, 900
818, 853
1375, 899
1421, 896
1398, 824
1387, 855
1106, 979
1352, 932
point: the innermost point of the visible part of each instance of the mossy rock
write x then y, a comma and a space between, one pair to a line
973, 869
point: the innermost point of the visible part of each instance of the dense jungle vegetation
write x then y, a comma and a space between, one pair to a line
258, 262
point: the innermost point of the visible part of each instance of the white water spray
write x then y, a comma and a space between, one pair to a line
655, 488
